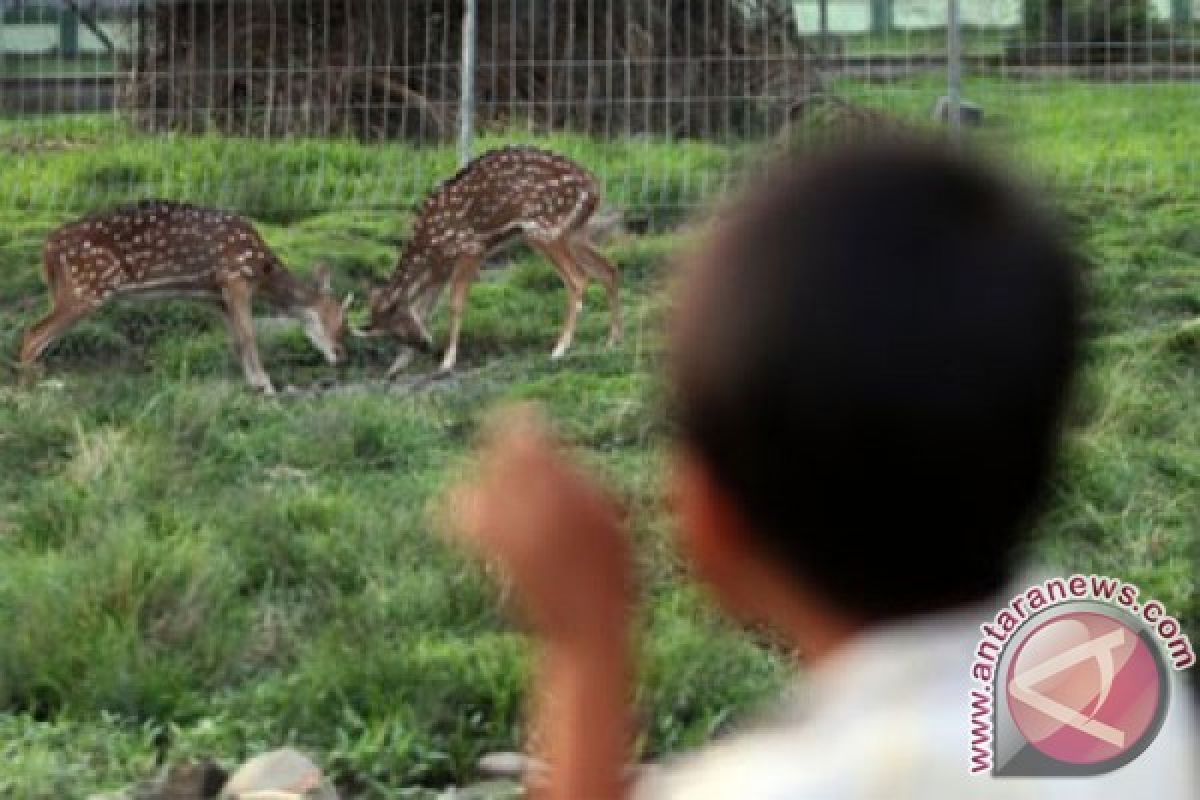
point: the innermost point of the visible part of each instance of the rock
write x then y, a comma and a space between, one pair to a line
193, 781
283, 774
148, 789
505, 765
188, 781
971, 113
489, 790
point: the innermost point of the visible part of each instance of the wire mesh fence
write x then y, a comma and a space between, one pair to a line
300, 105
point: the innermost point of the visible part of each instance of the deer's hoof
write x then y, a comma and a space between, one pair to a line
401, 363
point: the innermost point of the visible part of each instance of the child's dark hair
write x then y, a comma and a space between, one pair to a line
874, 361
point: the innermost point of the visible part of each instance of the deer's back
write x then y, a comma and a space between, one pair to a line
506, 191
156, 247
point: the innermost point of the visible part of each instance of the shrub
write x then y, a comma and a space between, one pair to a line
1091, 30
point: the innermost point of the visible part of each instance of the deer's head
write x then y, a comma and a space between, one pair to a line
392, 315
325, 319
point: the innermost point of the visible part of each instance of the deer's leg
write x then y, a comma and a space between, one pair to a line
603, 270
47, 330
237, 297
423, 306
465, 273
559, 253
66, 308
403, 359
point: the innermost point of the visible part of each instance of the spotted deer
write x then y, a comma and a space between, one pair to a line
505, 194
170, 250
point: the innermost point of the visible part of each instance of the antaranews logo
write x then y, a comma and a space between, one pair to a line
1072, 679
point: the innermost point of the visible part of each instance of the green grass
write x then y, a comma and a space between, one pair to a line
42, 65
187, 568
60, 170
917, 42
976, 41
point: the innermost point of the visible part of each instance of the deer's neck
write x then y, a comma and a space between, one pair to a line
286, 292
422, 273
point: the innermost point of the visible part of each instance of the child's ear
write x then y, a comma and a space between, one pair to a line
711, 531
722, 548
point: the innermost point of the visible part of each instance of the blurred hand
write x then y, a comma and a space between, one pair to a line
554, 532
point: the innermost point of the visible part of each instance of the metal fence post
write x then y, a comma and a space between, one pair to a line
954, 57
1181, 12
881, 16
466, 111
68, 33
823, 30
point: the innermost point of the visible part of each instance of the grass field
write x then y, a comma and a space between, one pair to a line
187, 569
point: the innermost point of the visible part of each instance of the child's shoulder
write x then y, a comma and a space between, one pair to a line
779, 761
913, 746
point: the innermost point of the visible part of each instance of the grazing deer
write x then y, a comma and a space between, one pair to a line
516, 191
173, 250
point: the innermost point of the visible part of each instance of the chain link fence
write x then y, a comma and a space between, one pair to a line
301, 105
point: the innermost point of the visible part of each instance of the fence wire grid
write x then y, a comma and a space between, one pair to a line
279, 107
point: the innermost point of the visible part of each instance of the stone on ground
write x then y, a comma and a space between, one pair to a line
283, 774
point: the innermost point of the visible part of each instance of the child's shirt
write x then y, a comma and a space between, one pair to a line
890, 717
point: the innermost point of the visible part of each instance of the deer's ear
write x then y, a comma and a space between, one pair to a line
324, 278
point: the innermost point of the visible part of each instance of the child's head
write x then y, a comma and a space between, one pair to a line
871, 365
